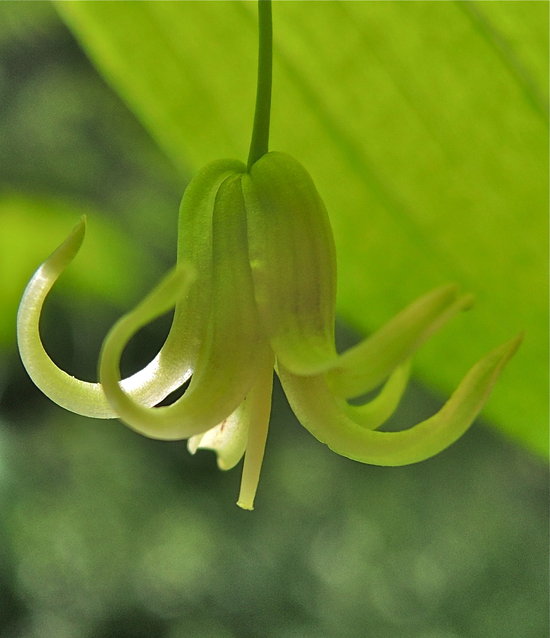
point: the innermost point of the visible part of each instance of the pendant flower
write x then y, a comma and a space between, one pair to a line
254, 290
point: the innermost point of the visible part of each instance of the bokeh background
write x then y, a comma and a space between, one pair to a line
105, 534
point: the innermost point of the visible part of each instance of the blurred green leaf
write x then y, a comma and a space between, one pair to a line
33, 227
424, 126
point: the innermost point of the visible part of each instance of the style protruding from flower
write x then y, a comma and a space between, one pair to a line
254, 290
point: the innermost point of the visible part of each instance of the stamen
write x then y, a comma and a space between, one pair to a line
258, 408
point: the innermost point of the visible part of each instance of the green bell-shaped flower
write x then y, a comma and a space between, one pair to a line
254, 290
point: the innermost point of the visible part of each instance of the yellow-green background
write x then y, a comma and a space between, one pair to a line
424, 125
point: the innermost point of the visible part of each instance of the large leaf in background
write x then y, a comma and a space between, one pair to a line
39, 225
424, 127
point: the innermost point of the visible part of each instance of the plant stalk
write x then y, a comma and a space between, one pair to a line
260, 132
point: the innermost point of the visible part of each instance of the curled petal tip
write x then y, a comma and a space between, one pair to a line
449, 289
193, 444
467, 301
78, 396
73, 394
514, 344
364, 366
508, 349
66, 252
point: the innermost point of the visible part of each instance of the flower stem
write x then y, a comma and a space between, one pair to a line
260, 132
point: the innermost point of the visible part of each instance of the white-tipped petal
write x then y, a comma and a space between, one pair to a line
322, 414
366, 365
227, 440
148, 386
233, 348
